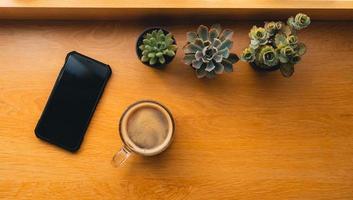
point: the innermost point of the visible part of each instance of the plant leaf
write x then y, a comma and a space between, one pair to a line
224, 53
169, 35
280, 39
192, 48
218, 58
197, 64
199, 43
146, 41
216, 42
226, 34
202, 32
153, 61
228, 67
191, 36
287, 69
200, 73
217, 27
286, 30
232, 58
198, 55
161, 60
153, 41
169, 53
151, 55
144, 58
254, 44
154, 33
145, 52
148, 47
226, 44
290, 22
168, 42
213, 34
210, 66
301, 49
211, 74
219, 68
160, 33
282, 58
172, 47
148, 36
188, 58
159, 54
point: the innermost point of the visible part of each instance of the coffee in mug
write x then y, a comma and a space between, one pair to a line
146, 128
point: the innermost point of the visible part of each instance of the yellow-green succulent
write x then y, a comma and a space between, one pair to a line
271, 27
259, 36
156, 46
248, 55
299, 22
267, 57
292, 40
276, 45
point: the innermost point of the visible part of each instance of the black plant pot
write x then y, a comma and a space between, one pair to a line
270, 69
158, 65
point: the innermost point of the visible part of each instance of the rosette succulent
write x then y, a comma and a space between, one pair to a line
267, 55
258, 36
156, 47
276, 45
208, 51
299, 22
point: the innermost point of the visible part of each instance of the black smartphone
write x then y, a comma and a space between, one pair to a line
72, 101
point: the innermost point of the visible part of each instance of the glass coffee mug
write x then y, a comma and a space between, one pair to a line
146, 128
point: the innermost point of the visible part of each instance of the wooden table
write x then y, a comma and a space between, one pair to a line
244, 135
206, 9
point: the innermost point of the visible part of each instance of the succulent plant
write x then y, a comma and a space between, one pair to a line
156, 45
267, 55
208, 51
248, 54
276, 45
299, 22
258, 36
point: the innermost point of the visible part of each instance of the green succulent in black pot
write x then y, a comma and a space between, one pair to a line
208, 51
276, 46
156, 47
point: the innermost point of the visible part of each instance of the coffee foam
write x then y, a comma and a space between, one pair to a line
147, 128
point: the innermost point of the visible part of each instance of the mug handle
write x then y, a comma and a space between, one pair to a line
120, 157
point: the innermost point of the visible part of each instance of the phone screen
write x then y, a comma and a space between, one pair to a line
72, 102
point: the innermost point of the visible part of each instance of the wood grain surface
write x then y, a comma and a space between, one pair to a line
181, 4
244, 135
229, 9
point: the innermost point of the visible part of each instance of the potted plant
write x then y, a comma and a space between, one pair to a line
276, 46
156, 47
208, 51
